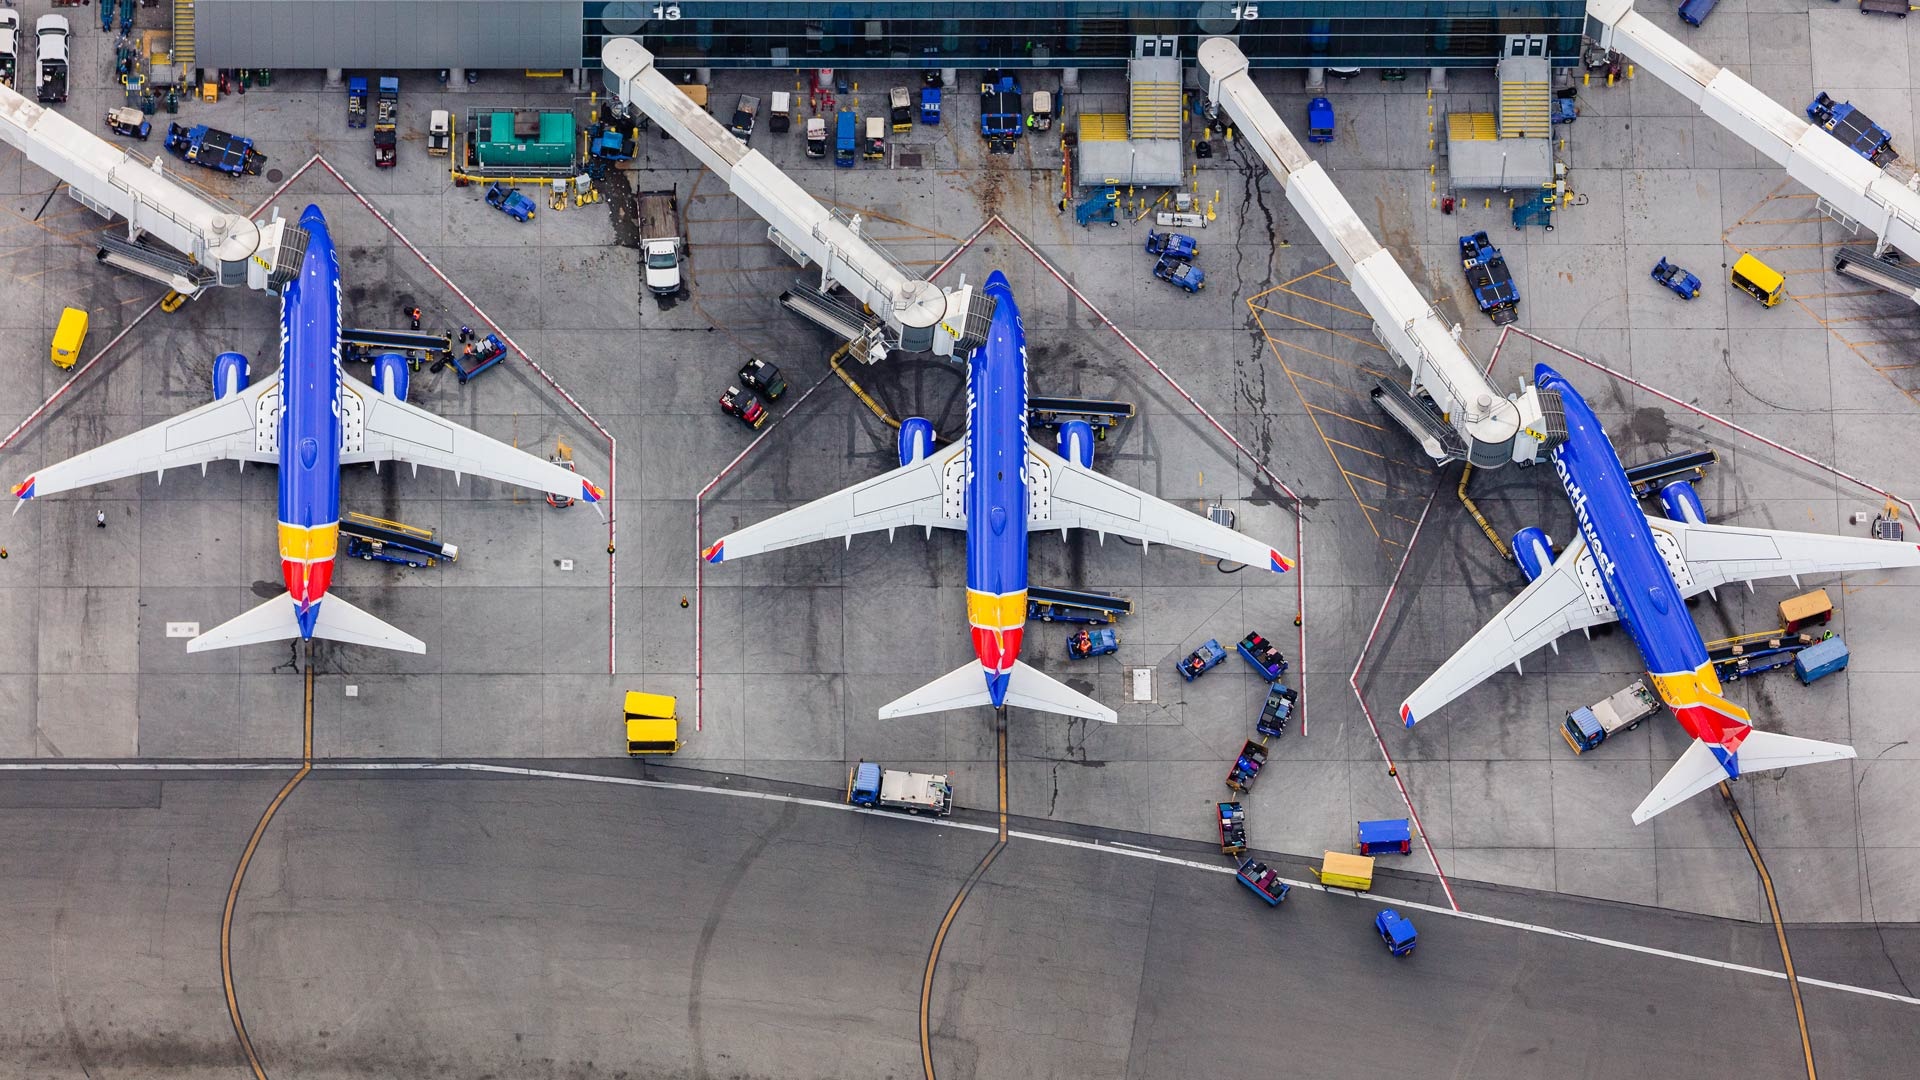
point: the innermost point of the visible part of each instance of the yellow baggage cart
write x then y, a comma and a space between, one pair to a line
1756, 279
653, 724
68, 336
1340, 870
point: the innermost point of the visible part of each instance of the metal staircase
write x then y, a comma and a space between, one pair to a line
1422, 419
1153, 99
183, 51
1526, 98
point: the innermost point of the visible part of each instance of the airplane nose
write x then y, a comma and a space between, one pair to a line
997, 687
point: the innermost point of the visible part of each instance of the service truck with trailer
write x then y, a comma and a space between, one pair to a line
892, 789
1589, 726
661, 243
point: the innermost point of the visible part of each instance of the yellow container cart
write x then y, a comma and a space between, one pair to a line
1757, 279
1340, 870
653, 724
68, 337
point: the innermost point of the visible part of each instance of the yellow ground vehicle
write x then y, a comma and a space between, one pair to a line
1344, 871
68, 337
1757, 279
653, 725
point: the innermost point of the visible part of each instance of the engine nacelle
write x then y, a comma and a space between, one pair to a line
1682, 503
1533, 550
1076, 443
916, 439
230, 374
390, 375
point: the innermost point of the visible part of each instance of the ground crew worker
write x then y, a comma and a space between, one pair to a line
413, 313
99, 519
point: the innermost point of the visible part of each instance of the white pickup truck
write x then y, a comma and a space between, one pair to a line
9, 46
52, 31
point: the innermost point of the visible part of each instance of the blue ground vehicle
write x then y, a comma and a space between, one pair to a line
490, 351
1695, 12
1264, 881
1277, 710
510, 202
1001, 114
1489, 279
376, 550
357, 102
930, 105
1396, 930
1391, 836
891, 789
1319, 120
1818, 661
1265, 659
1201, 659
211, 148
1072, 606
846, 138
1565, 111
1183, 274
1684, 285
1103, 206
378, 539
1852, 127
1233, 828
1089, 643
1172, 245
1246, 766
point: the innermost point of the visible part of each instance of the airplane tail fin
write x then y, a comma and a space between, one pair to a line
1701, 767
1027, 688
276, 620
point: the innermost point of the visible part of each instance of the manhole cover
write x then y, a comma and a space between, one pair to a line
274, 176
910, 161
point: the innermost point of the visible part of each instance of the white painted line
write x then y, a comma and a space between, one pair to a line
1130, 851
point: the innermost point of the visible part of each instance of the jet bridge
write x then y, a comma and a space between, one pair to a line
210, 245
919, 315
1451, 409
1851, 188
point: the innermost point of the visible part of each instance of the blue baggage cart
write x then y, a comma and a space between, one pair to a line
1695, 12
1396, 930
1266, 659
1390, 836
930, 105
1319, 120
1264, 880
1820, 660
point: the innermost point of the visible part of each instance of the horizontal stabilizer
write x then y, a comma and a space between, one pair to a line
1696, 771
1699, 768
1027, 688
277, 620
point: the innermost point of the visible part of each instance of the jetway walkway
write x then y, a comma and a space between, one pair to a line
919, 315
214, 246
1861, 264
1449, 389
1850, 188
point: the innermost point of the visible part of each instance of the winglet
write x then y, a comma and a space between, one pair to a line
23, 490
716, 552
1406, 715
591, 491
1280, 563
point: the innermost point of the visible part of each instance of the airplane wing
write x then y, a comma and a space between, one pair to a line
1717, 555
397, 431
1065, 496
928, 493
239, 427
1566, 598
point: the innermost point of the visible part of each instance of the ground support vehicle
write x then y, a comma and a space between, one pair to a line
1103, 205
439, 133
1198, 662
1233, 828
476, 358
1265, 659
846, 140
900, 108
395, 538
1757, 279
1040, 118
816, 137
891, 789
211, 148
1816, 662
1808, 609
1649, 477
1898, 8
1246, 767
1183, 274
1565, 109
1589, 726
9, 47
1853, 128
1396, 930
764, 379
129, 122
653, 723
1072, 606
1746, 665
1320, 123
1277, 710
1091, 643
780, 114
1695, 12
661, 242
510, 202
386, 118
1340, 870
357, 102
745, 112
375, 550
1684, 285
1000, 113
1051, 412
50, 65
1389, 836
68, 335
874, 146
743, 406
930, 105
1264, 880
1489, 279
1172, 245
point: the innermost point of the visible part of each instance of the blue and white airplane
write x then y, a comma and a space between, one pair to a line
310, 417
1640, 571
997, 484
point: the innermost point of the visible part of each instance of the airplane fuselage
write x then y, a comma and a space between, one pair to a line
1650, 606
309, 427
996, 490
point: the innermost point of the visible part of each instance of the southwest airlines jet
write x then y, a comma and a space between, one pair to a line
1629, 567
310, 417
997, 484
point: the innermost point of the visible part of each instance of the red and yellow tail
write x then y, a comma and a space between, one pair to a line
1695, 699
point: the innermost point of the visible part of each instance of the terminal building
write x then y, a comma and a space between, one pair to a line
545, 35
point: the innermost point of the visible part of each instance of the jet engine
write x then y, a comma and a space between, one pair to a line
1682, 503
1076, 443
1533, 550
230, 374
390, 375
916, 439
